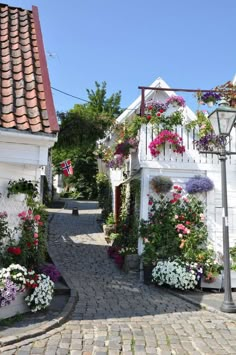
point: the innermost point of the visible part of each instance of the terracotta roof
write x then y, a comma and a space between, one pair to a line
26, 101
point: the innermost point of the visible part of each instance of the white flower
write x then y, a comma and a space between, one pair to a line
42, 295
176, 274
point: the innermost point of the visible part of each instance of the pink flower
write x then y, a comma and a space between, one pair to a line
150, 202
36, 235
22, 214
177, 187
37, 217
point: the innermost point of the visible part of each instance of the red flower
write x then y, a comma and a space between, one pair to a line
14, 250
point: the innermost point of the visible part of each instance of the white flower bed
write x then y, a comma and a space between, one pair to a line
175, 274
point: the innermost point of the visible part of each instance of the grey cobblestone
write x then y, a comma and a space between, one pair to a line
116, 313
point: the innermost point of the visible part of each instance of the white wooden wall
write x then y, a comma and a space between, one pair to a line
212, 199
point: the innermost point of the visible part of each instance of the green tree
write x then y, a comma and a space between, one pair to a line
80, 128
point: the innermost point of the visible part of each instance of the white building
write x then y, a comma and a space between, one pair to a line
179, 167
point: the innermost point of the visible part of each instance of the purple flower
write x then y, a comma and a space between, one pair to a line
209, 142
210, 96
51, 271
156, 106
199, 184
7, 293
178, 100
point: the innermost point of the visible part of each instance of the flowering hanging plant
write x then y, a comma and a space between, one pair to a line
161, 184
199, 184
210, 96
155, 109
175, 100
202, 123
166, 136
209, 142
177, 274
22, 186
42, 293
123, 148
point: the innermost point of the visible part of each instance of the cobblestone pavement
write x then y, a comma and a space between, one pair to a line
116, 313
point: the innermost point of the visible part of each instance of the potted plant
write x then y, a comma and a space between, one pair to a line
176, 273
161, 184
212, 271
22, 186
109, 226
209, 142
210, 98
175, 101
199, 184
163, 137
111, 237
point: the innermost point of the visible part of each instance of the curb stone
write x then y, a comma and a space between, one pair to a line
51, 326
201, 305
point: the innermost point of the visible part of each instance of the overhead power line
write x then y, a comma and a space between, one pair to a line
79, 98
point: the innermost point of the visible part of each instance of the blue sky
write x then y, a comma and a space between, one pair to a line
129, 43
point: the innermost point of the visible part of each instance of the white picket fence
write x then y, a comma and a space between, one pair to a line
191, 155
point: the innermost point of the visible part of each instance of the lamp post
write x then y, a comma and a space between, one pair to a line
223, 120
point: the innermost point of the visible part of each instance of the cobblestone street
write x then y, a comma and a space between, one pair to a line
116, 313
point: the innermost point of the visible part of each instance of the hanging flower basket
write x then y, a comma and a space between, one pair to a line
175, 101
210, 98
161, 184
163, 137
199, 184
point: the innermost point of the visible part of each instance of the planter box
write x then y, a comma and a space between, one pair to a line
108, 229
18, 306
216, 284
131, 263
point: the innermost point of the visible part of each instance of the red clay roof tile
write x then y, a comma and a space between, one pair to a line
26, 100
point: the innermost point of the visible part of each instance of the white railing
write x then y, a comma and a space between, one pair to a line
191, 155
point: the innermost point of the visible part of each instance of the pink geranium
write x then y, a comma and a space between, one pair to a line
163, 137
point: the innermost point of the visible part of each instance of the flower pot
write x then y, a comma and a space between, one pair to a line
210, 103
108, 229
19, 197
131, 262
215, 283
18, 306
147, 274
108, 240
